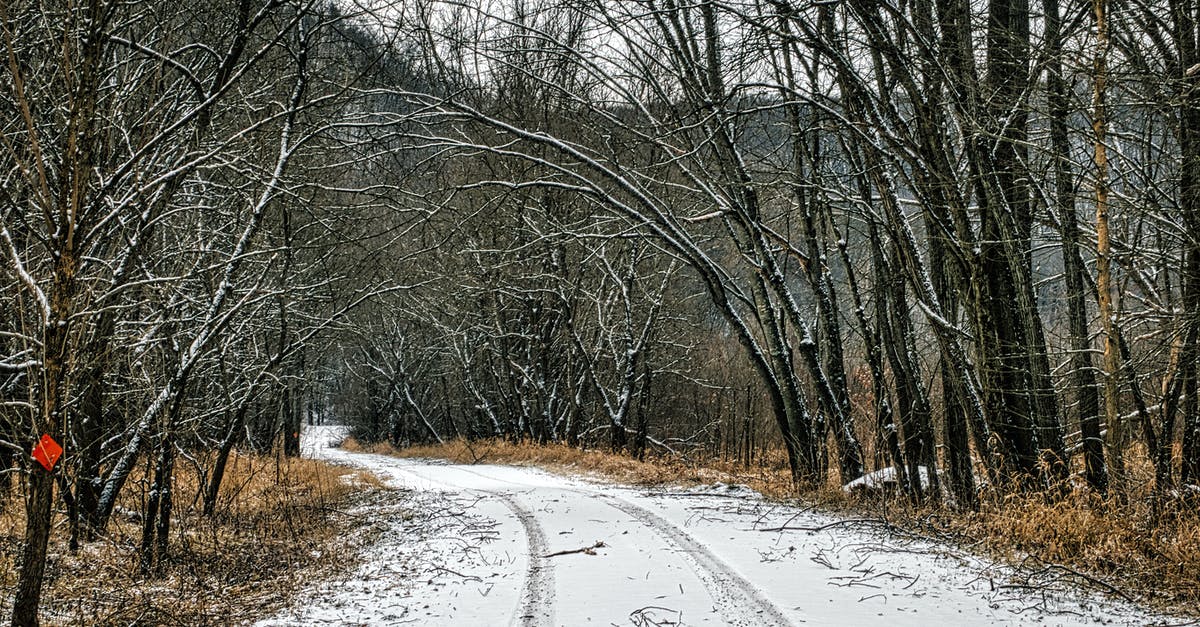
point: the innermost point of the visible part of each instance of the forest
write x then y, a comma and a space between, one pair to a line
959, 239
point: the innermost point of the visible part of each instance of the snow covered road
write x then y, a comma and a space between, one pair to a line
502, 545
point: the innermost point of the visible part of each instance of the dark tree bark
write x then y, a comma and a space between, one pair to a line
916, 419
232, 433
156, 520
1186, 34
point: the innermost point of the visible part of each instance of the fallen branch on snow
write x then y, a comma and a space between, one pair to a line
589, 550
1049, 566
840, 523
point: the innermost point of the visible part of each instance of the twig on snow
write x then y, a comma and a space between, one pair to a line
840, 523
589, 550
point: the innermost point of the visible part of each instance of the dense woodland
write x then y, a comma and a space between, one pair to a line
957, 238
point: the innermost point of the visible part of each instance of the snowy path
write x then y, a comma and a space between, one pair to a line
475, 545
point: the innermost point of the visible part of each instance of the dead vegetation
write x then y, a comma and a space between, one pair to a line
770, 477
1152, 556
1122, 548
281, 522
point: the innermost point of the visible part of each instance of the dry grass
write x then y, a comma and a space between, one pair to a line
1153, 559
280, 523
1122, 541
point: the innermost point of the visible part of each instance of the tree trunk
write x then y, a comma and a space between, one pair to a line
1104, 282
643, 413
1191, 429
63, 229
290, 419
232, 433
887, 433
156, 519
56, 358
916, 420
89, 431
1082, 378
1186, 33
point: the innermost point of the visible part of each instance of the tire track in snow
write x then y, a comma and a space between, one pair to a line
738, 601
536, 609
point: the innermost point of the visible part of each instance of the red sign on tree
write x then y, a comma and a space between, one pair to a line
47, 452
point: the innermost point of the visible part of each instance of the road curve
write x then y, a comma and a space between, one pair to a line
502, 545
648, 569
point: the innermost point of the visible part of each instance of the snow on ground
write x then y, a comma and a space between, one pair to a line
501, 545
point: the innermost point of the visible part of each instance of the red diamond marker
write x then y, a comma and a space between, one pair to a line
47, 452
